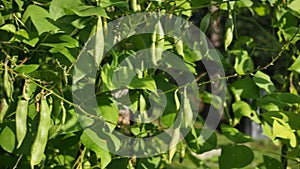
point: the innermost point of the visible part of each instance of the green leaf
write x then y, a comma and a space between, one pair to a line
9, 28
272, 163
118, 3
262, 10
245, 88
57, 7
244, 3
7, 139
107, 73
2, 20
295, 6
296, 65
285, 132
119, 163
30, 38
235, 156
147, 163
40, 19
81, 23
71, 124
26, 68
292, 34
85, 11
45, 75
234, 134
108, 109
291, 118
263, 81
200, 4
146, 83
59, 48
241, 109
20, 4
93, 144
280, 99
198, 144
185, 7
205, 22
60, 8
211, 99
243, 63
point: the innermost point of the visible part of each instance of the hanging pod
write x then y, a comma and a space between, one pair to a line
21, 120
39, 145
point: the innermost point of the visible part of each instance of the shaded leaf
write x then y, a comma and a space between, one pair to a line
234, 134
30, 38
108, 109
197, 143
245, 88
93, 144
235, 156
272, 163
280, 99
205, 22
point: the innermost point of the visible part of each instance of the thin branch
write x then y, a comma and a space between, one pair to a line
18, 161
284, 48
60, 97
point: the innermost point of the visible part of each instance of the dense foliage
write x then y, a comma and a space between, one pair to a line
40, 41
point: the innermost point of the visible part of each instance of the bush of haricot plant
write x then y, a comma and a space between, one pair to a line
41, 40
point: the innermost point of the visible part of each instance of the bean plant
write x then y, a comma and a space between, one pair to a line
41, 42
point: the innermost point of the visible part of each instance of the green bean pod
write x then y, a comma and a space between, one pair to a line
7, 83
3, 109
39, 145
21, 120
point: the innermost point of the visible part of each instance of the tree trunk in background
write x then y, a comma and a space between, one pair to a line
215, 28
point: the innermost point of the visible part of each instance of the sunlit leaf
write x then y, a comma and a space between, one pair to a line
263, 81
295, 6
40, 18
284, 132
296, 65
241, 109
26, 68
243, 63
7, 139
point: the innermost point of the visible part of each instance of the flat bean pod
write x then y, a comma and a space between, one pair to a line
39, 145
21, 120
